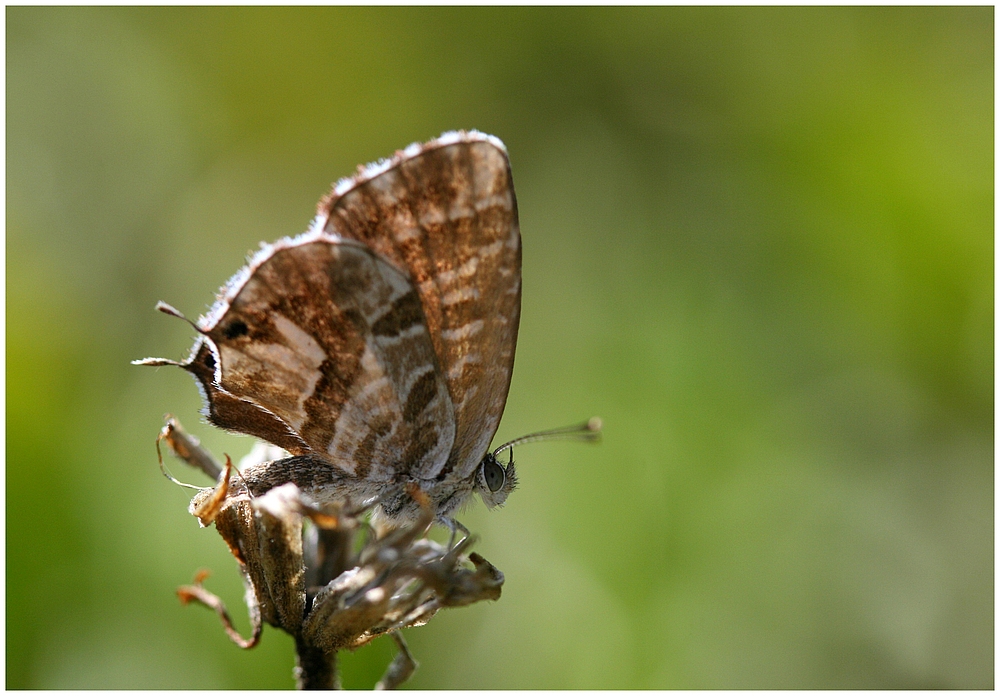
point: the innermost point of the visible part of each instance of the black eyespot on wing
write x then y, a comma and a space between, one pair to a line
236, 329
493, 473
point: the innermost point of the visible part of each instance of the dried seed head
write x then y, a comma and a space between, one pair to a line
319, 572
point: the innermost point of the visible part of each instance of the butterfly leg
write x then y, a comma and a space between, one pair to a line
455, 526
401, 668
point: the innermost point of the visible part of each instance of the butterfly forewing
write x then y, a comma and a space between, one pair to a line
332, 340
445, 213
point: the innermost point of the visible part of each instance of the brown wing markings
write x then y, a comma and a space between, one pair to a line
422, 392
362, 217
404, 314
232, 413
423, 255
448, 216
355, 285
443, 247
325, 404
462, 349
494, 371
343, 374
479, 363
277, 291
249, 375
281, 273
267, 363
424, 441
397, 341
310, 307
365, 451
341, 333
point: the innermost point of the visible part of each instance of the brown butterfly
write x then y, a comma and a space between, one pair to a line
377, 347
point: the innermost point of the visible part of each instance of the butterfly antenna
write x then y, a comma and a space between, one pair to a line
589, 431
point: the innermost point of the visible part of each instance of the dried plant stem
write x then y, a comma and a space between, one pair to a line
315, 668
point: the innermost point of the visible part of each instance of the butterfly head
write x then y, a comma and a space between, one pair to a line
494, 482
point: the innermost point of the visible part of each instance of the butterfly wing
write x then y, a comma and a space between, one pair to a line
325, 337
445, 212
230, 412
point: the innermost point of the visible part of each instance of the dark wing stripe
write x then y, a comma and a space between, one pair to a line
421, 394
404, 313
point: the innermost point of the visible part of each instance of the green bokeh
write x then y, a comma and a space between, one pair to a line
758, 242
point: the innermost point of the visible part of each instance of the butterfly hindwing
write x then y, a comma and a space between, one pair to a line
233, 413
332, 340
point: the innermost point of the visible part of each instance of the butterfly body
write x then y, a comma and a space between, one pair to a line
377, 348
325, 483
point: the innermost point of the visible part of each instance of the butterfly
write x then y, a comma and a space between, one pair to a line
377, 347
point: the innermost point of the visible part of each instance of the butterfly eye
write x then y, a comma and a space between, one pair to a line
494, 474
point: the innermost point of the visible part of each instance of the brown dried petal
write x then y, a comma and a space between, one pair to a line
399, 585
279, 535
348, 612
457, 586
197, 593
265, 535
401, 580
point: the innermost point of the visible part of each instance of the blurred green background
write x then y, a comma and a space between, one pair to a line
757, 242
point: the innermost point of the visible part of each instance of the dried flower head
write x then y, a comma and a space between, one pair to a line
321, 573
